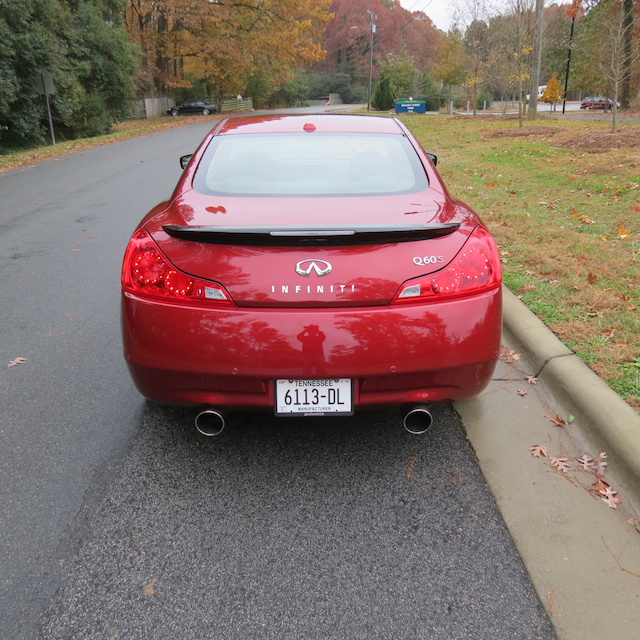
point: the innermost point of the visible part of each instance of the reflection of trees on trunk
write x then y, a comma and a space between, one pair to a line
248, 343
369, 290
486, 326
392, 332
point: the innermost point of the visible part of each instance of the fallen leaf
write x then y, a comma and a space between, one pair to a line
586, 462
509, 355
631, 185
522, 392
635, 522
411, 465
149, 589
15, 362
610, 498
600, 463
591, 278
532, 380
527, 287
539, 450
556, 419
560, 464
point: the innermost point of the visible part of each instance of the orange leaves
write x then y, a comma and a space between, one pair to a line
556, 419
622, 233
584, 218
225, 43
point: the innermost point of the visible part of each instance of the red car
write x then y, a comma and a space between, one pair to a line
597, 103
311, 265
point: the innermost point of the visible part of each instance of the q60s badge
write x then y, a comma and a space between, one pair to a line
423, 262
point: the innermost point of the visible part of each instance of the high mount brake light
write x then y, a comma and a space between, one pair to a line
475, 269
146, 271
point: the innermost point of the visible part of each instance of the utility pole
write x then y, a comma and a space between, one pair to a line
373, 30
572, 12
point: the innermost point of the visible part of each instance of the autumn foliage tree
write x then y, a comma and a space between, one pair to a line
347, 37
452, 62
552, 92
224, 42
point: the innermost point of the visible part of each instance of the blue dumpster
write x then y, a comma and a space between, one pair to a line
411, 106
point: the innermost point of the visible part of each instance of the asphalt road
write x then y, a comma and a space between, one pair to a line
118, 521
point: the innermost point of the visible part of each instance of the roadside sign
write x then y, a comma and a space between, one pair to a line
411, 106
45, 87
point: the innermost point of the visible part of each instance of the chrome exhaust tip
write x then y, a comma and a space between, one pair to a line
418, 419
210, 422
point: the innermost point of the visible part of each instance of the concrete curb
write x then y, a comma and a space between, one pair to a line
604, 419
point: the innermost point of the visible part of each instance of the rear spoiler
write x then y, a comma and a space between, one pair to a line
310, 236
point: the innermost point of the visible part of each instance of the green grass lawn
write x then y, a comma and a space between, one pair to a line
562, 199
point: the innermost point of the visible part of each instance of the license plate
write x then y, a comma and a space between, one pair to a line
314, 397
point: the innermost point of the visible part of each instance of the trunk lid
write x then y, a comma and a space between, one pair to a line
297, 270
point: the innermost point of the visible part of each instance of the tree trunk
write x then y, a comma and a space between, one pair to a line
627, 8
537, 57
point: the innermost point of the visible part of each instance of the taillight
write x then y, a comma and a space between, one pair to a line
475, 269
146, 271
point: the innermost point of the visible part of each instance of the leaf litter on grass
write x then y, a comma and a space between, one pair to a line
559, 196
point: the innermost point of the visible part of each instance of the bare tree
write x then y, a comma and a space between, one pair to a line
536, 59
522, 13
628, 52
615, 58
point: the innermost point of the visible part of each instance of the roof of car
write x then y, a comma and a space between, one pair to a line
332, 123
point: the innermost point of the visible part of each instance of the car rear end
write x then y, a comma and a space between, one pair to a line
311, 265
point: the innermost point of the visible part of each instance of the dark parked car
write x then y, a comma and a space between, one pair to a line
311, 265
597, 103
193, 106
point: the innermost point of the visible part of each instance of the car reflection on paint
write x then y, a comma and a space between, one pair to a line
311, 265
192, 107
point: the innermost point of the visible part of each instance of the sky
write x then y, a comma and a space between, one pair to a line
441, 11
437, 10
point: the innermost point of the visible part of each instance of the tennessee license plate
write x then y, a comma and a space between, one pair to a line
314, 397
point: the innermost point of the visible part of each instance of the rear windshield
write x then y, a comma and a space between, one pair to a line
310, 164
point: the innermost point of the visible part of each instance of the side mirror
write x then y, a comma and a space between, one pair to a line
434, 158
184, 160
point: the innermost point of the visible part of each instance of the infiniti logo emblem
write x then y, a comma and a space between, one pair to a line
305, 267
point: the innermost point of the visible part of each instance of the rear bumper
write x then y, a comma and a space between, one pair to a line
229, 358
